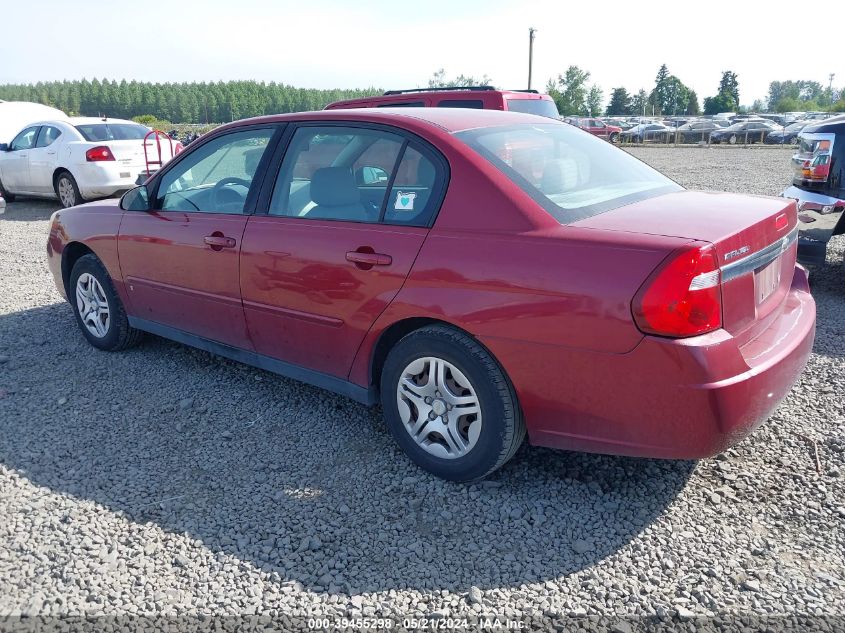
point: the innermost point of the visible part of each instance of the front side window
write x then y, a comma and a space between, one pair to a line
25, 140
217, 176
367, 176
48, 135
571, 175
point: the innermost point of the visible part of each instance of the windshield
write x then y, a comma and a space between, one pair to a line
96, 132
572, 175
542, 107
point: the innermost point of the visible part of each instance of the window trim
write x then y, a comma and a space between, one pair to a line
260, 172
442, 169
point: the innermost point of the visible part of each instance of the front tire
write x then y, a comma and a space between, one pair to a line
732, 139
8, 197
449, 405
67, 190
99, 312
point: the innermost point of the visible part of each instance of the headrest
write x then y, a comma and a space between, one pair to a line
559, 175
334, 187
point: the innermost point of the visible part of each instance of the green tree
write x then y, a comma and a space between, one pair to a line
440, 80
570, 91
620, 102
730, 84
693, 107
639, 103
594, 100
661, 96
722, 102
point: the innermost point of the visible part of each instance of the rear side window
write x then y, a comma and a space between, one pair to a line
371, 176
406, 104
540, 107
476, 104
97, 132
571, 175
48, 135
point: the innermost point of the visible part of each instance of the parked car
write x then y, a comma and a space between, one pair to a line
76, 160
699, 130
642, 132
743, 132
278, 242
596, 128
472, 97
787, 135
16, 115
818, 186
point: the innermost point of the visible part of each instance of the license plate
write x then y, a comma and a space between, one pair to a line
766, 280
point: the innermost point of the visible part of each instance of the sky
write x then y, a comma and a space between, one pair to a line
398, 44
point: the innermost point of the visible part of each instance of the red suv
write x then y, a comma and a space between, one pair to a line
597, 128
477, 97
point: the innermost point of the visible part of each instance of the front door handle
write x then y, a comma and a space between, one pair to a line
217, 241
368, 259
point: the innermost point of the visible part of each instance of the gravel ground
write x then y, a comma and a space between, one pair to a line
167, 481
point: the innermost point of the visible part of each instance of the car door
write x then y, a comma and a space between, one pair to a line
42, 159
598, 128
14, 169
345, 218
180, 260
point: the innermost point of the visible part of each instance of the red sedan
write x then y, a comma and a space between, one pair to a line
481, 274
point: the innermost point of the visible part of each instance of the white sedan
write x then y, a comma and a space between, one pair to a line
78, 159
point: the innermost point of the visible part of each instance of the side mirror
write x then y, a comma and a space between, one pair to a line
4, 147
371, 176
137, 199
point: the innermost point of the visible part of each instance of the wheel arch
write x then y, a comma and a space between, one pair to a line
58, 170
70, 255
397, 330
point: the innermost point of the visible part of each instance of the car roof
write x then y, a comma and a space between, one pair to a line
449, 119
88, 120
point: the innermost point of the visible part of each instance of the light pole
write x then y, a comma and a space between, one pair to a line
531, 32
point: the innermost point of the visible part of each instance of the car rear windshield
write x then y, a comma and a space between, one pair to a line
96, 132
572, 175
542, 107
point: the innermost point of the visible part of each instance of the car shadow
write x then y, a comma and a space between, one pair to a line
29, 209
294, 480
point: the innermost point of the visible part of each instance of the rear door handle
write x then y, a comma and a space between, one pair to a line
218, 241
369, 259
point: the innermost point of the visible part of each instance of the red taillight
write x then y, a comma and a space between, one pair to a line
101, 152
781, 222
683, 297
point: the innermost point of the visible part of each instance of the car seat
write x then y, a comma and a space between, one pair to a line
337, 197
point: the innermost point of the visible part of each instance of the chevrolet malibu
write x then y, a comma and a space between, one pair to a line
482, 275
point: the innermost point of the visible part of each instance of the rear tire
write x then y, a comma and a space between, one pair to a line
67, 190
431, 429
614, 137
8, 197
99, 312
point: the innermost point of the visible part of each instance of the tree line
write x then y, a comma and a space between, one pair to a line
215, 102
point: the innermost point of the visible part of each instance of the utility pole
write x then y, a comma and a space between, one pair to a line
531, 32
829, 92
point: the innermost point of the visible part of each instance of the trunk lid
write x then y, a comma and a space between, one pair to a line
754, 238
131, 152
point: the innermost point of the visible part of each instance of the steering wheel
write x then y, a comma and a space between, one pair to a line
217, 197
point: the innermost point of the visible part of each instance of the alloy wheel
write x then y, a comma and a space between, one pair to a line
67, 195
92, 305
439, 407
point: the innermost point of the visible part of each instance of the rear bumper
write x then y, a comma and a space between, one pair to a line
668, 398
820, 217
102, 179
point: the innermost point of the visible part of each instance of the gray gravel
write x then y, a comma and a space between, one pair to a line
167, 481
